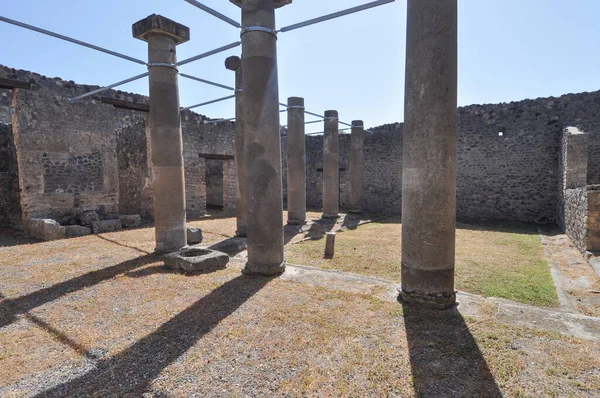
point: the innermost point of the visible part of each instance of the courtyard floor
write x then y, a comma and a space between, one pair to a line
101, 316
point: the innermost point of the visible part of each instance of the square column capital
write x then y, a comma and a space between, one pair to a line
278, 3
160, 25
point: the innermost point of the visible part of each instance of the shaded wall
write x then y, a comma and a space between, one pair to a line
10, 206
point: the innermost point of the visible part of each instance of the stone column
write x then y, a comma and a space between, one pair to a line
357, 166
331, 166
264, 202
163, 35
296, 155
235, 64
429, 154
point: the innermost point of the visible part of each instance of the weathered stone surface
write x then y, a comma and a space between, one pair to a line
73, 231
296, 162
99, 227
157, 24
194, 236
264, 204
429, 154
166, 143
46, 229
278, 3
88, 218
10, 201
231, 246
196, 260
331, 165
330, 244
130, 221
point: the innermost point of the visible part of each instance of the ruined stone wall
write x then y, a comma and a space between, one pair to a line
5, 106
205, 139
135, 178
87, 155
66, 150
575, 207
10, 207
229, 187
511, 176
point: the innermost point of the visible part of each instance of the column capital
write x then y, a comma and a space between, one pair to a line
160, 25
296, 102
358, 123
278, 3
331, 114
233, 63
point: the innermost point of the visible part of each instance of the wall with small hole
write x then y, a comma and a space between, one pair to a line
508, 159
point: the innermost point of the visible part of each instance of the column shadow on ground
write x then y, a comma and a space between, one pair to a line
130, 372
444, 357
10, 308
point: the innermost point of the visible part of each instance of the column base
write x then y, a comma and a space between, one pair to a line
355, 211
241, 233
436, 301
162, 251
428, 288
330, 215
264, 269
296, 222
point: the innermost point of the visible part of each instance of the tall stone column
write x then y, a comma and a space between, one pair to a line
429, 154
357, 166
235, 64
163, 35
264, 202
331, 166
296, 162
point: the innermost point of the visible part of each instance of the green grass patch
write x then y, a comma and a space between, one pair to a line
496, 259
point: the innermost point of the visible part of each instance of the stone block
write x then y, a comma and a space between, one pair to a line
158, 24
130, 221
231, 246
88, 218
196, 260
330, 244
99, 227
73, 231
278, 3
46, 229
194, 236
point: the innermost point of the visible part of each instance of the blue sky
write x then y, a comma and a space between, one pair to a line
508, 50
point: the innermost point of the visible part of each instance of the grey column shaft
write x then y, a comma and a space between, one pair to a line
167, 147
429, 154
331, 166
234, 63
357, 166
264, 203
163, 35
296, 162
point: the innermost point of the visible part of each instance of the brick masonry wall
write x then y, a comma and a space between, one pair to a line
10, 206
